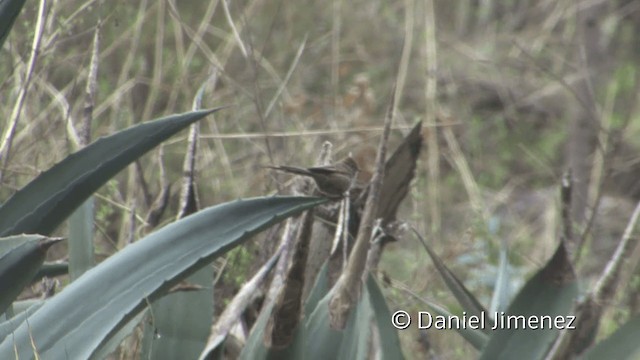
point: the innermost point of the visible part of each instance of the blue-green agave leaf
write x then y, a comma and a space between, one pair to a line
44, 203
9, 11
19, 265
77, 321
550, 294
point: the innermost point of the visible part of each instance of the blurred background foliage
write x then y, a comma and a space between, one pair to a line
509, 78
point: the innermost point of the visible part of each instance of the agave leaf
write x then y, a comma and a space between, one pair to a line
355, 344
9, 11
106, 297
255, 349
319, 290
551, 292
116, 339
181, 320
174, 331
45, 202
323, 342
8, 326
52, 269
389, 341
20, 306
81, 239
11, 242
316, 340
501, 290
468, 301
475, 337
622, 344
19, 265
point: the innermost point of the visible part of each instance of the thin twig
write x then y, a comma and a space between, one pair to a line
348, 286
90, 91
463, 168
433, 150
7, 138
255, 58
604, 285
336, 25
305, 133
287, 77
592, 115
234, 30
565, 203
407, 44
156, 75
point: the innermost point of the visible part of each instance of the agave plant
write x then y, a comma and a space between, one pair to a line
547, 319
104, 299
112, 298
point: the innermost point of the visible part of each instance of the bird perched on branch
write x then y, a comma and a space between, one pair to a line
332, 180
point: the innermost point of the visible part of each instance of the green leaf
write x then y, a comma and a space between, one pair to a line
389, 341
48, 200
317, 340
11, 242
9, 326
181, 321
52, 270
623, 344
319, 290
550, 293
9, 11
116, 339
106, 297
19, 265
81, 239
468, 301
324, 342
254, 348
476, 337
20, 306
501, 291
357, 334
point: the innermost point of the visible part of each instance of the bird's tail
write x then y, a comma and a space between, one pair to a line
291, 169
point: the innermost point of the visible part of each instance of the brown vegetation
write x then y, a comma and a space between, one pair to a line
511, 95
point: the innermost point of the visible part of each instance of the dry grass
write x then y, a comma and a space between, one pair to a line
498, 77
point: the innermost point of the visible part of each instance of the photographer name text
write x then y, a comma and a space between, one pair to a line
500, 320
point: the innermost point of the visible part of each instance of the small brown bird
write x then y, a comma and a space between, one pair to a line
332, 180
